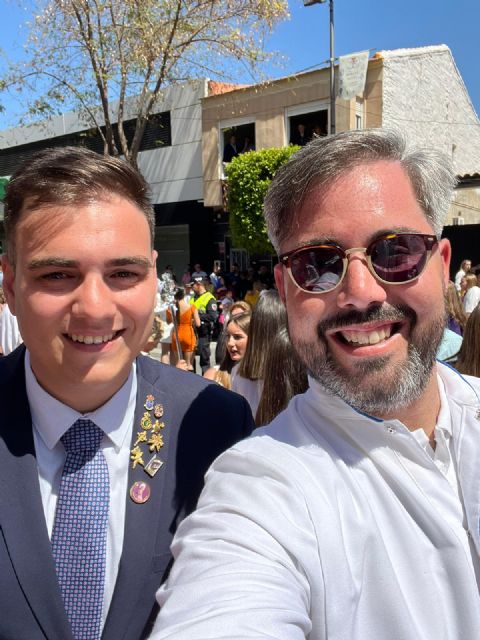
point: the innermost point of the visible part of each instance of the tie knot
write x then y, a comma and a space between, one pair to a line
83, 436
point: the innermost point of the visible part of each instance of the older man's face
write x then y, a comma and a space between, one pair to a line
371, 343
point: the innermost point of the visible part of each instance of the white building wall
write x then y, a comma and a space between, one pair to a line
173, 172
64, 124
424, 95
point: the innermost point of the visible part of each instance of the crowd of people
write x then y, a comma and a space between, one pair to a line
333, 495
227, 317
459, 346
247, 309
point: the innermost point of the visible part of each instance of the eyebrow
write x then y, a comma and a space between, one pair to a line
65, 263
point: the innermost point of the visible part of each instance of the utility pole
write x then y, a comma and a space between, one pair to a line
308, 3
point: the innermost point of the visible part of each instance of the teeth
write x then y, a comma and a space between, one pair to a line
92, 339
367, 337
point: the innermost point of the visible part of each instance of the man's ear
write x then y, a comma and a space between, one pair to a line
445, 254
279, 272
8, 282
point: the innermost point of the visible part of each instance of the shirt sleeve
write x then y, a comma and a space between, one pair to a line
212, 310
458, 278
236, 575
10, 336
471, 300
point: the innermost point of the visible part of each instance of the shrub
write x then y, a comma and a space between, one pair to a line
249, 176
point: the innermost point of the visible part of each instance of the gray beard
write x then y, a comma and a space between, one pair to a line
373, 388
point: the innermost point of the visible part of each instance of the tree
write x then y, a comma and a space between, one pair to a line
249, 176
110, 59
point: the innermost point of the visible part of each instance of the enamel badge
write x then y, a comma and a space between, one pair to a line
140, 492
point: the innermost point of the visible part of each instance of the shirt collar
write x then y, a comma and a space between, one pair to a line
444, 420
115, 417
347, 418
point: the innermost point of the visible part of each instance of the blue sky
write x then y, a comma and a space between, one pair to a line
359, 25
384, 24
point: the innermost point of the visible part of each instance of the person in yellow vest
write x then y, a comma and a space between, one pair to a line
206, 305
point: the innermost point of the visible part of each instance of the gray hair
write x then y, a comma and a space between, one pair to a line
324, 160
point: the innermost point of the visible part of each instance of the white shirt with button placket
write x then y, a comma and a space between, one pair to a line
331, 524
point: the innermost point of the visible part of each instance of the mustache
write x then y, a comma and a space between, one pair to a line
375, 313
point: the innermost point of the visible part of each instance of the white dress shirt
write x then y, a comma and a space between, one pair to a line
330, 524
10, 336
251, 390
471, 299
443, 454
51, 419
458, 278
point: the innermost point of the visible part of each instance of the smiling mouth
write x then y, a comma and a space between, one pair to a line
356, 337
89, 339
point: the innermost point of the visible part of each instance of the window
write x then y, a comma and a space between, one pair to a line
307, 126
237, 139
359, 110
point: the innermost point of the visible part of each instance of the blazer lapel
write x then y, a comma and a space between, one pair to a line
22, 519
142, 522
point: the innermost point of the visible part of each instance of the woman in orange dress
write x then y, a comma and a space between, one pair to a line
186, 318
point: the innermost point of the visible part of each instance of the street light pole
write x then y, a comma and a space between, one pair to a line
308, 3
332, 74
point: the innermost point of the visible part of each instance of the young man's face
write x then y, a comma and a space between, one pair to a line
370, 342
83, 290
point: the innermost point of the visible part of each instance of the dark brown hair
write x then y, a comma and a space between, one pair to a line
285, 377
468, 360
471, 280
71, 176
454, 306
268, 317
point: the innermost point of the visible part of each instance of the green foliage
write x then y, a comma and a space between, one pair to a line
249, 176
3, 187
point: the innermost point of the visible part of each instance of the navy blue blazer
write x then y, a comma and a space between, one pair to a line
201, 420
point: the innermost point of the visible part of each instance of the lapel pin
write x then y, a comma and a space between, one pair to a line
152, 438
146, 421
141, 437
149, 402
136, 456
157, 425
139, 492
153, 465
156, 442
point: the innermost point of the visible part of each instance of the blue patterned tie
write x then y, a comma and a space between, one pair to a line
79, 536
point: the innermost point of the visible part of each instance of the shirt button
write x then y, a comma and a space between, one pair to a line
390, 429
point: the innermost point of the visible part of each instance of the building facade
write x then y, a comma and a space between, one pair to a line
170, 159
418, 91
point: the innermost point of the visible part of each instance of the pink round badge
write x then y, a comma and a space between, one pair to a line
139, 492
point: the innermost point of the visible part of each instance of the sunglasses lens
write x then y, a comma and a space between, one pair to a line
317, 269
399, 258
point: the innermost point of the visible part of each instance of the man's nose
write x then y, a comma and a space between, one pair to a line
360, 288
94, 298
